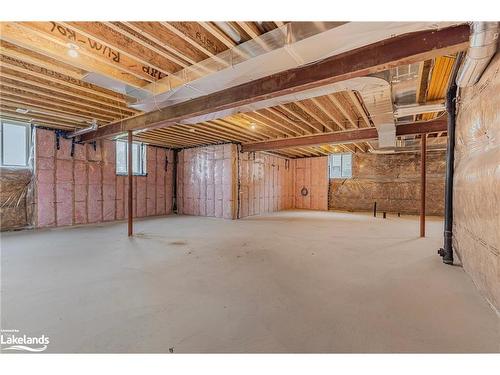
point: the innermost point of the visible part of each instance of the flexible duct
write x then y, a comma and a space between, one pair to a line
483, 46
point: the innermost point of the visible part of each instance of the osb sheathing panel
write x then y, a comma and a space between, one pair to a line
84, 188
476, 189
393, 181
266, 184
206, 181
14, 193
311, 183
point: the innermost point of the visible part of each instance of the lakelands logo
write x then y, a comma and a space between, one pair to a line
12, 340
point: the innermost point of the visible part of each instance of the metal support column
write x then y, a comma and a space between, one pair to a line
130, 185
422, 183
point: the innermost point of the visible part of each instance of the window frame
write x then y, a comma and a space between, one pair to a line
28, 129
330, 166
141, 151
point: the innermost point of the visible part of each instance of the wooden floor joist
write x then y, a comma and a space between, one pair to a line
350, 136
404, 49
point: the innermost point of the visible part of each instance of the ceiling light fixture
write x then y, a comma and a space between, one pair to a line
253, 126
22, 110
192, 130
73, 50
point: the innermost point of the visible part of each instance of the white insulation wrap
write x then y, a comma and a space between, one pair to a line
375, 92
290, 46
476, 188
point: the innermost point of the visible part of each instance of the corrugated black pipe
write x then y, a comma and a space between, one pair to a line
447, 250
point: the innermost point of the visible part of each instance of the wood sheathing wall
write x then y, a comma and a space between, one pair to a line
476, 189
84, 188
393, 181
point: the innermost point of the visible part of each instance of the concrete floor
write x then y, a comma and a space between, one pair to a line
294, 281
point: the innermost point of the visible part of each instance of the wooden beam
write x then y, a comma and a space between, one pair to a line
223, 38
151, 62
423, 80
196, 35
380, 56
357, 103
136, 33
38, 99
295, 113
349, 136
47, 95
92, 58
343, 110
43, 72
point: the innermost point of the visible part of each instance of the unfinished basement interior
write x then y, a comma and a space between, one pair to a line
250, 187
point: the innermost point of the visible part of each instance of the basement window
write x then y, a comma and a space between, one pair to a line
14, 144
340, 165
138, 158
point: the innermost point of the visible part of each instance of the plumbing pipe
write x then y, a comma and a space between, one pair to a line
447, 250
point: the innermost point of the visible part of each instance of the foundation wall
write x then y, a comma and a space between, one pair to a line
83, 188
393, 181
265, 183
476, 189
206, 181
15, 203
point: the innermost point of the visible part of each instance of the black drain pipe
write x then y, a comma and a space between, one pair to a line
447, 250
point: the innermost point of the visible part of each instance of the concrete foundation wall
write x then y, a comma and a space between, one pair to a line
15, 198
84, 188
476, 189
393, 181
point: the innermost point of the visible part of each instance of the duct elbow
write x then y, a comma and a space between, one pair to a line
91, 128
482, 47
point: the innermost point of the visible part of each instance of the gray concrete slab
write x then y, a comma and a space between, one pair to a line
293, 281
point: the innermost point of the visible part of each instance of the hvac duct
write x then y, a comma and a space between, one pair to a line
483, 46
375, 93
89, 129
287, 47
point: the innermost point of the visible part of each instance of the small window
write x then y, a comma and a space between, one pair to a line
138, 158
341, 165
15, 144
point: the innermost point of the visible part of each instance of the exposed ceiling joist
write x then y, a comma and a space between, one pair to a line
350, 136
404, 49
91, 57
